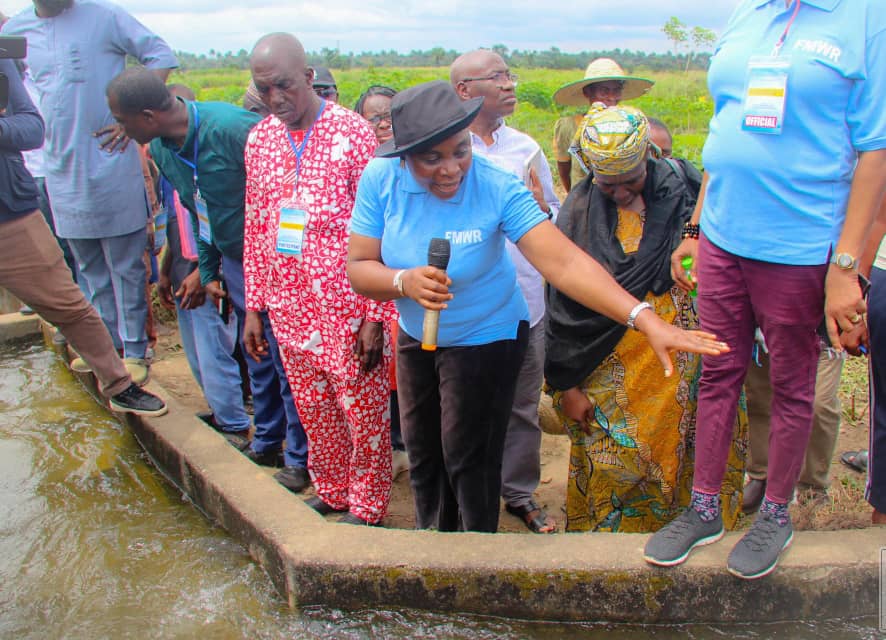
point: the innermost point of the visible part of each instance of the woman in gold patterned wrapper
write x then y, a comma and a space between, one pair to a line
632, 429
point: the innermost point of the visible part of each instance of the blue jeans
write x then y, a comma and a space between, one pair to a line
275, 415
113, 273
208, 343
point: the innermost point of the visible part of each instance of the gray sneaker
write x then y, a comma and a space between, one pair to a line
672, 543
756, 554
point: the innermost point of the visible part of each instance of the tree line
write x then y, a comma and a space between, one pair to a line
551, 58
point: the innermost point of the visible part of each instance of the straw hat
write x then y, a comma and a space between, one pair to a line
600, 70
426, 114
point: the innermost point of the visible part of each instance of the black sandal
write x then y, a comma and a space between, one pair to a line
856, 460
533, 516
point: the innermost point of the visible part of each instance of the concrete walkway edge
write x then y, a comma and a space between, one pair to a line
567, 577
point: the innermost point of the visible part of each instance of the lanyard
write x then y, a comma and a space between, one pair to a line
787, 29
304, 143
193, 165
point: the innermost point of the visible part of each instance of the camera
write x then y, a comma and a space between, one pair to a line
15, 47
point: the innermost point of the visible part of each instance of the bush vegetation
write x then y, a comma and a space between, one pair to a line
680, 99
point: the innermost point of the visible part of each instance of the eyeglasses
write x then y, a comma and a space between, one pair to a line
377, 120
499, 77
326, 92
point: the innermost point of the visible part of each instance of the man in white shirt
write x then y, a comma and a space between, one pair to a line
484, 73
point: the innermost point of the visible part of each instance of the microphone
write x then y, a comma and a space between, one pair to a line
438, 256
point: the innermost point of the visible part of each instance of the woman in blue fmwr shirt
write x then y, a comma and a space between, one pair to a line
795, 168
456, 394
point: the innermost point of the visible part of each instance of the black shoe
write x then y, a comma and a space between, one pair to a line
350, 518
753, 495
321, 507
265, 458
208, 418
136, 400
296, 479
237, 439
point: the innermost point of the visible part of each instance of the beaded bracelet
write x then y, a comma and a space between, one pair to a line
690, 231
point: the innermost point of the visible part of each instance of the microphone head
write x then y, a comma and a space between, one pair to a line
438, 253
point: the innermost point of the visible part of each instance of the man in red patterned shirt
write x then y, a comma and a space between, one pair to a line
302, 166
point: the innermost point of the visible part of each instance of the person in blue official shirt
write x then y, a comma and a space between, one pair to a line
455, 400
795, 168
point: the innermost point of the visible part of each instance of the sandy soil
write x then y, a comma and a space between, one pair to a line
845, 507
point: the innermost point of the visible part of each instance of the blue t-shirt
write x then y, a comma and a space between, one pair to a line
491, 205
782, 198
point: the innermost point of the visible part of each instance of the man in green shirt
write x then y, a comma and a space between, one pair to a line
198, 146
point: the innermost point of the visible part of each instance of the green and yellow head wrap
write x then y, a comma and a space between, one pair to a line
611, 140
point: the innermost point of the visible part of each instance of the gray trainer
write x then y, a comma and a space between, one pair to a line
756, 554
672, 543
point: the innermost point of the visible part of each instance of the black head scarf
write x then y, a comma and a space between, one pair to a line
577, 339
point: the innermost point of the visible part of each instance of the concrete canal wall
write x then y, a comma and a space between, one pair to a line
558, 577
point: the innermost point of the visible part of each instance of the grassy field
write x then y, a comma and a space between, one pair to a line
679, 99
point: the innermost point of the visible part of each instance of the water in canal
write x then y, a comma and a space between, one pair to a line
95, 544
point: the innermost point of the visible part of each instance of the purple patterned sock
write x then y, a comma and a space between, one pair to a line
777, 510
707, 505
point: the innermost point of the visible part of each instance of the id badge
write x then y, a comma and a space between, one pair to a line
204, 231
160, 222
765, 93
291, 229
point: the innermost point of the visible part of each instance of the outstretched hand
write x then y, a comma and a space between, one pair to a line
664, 338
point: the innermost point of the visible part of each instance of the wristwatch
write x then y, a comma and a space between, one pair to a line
844, 261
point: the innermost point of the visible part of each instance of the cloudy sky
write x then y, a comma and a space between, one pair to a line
373, 25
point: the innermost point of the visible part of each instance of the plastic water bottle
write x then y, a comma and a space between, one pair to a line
686, 263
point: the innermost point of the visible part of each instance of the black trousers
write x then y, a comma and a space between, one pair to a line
454, 408
875, 491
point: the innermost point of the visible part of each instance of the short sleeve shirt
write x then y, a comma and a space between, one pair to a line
782, 198
564, 133
490, 207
